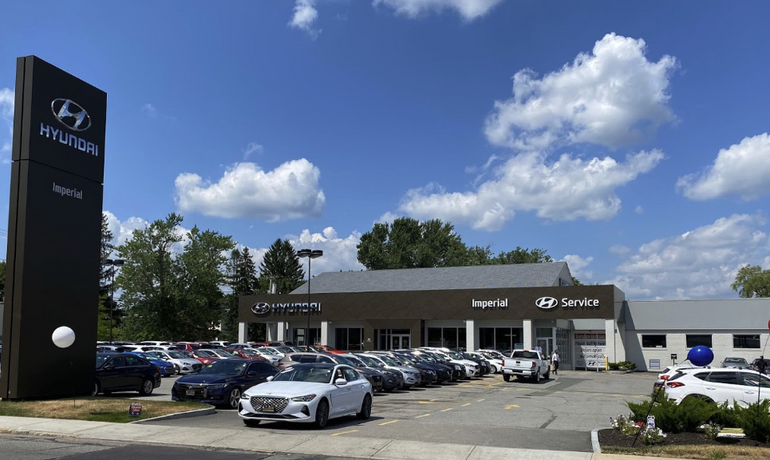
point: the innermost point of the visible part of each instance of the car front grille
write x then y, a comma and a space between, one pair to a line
268, 404
197, 367
192, 391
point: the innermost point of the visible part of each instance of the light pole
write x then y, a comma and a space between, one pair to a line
113, 263
314, 254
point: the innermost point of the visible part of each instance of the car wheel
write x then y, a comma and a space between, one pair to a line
536, 378
251, 423
177, 369
366, 408
146, 388
547, 374
506, 377
233, 397
322, 414
95, 390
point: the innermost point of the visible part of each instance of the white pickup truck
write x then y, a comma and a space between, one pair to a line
526, 363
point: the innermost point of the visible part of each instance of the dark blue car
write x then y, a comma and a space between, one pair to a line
166, 368
222, 382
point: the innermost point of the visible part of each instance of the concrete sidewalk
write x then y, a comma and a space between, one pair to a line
299, 443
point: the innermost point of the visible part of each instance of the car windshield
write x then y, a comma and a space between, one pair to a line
206, 354
389, 361
735, 360
369, 361
100, 360
177, 354
226, 367
525, 354
456, 355
305, 374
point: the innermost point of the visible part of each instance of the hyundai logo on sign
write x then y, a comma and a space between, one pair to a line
260, 308
546, 303
71, 114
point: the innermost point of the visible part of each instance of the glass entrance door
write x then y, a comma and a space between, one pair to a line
546, 346
399, 341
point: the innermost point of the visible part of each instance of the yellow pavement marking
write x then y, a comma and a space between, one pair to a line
423, 415
388, 423
466, 404
427, 402
344, 432
446, 410
479, 400
510, 406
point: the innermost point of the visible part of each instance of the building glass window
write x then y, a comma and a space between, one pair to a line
746, 341
500, 338
695, 340
348, 338
434, 337
653, 341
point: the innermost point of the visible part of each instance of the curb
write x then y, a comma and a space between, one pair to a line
193, 413
597, 448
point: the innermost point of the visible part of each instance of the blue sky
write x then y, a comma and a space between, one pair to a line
628, 138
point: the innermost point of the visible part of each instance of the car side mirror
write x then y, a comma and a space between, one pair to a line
251, 374
108, 367
270, 378
340, 382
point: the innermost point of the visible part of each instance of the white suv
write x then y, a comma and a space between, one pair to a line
741, 386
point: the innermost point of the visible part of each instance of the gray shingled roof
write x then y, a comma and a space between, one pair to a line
427, 279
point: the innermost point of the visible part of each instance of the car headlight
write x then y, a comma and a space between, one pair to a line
431, 372
458, 367
306, 398
217, 386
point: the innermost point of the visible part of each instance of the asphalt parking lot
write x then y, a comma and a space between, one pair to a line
557, 414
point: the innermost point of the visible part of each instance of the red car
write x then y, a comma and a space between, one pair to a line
327, 349
205, 356
247, 353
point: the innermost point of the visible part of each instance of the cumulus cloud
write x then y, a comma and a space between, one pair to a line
288, 192
340, 253
577, 266
701, 263
567, 189
468, 9
305, 15
742, 169
613, 97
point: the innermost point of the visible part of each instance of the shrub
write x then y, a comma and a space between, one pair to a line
671, 417
711, 430
725, 416
622, 366
755, 420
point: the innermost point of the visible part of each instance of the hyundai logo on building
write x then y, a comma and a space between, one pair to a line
260, 308
546, 303
71, 114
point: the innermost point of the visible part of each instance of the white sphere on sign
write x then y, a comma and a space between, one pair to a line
63, 337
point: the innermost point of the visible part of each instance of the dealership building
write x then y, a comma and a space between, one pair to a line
505, 307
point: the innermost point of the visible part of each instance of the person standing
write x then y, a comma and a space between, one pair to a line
762, 365
555, 361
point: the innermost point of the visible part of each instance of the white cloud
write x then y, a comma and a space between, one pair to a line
619, 249
639, 210
567, 189
340, 254
612, 97
305, 15
577, 266
252, 147
468, 9
7, 99
150, 110
387, 218
288, 192
742, 169
700, 263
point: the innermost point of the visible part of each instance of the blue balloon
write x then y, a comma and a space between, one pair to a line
701, 355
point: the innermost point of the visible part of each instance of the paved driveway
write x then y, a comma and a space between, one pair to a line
557, 414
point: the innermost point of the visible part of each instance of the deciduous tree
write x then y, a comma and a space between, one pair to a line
752, 281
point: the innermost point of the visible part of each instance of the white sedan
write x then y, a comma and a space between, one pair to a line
308, 393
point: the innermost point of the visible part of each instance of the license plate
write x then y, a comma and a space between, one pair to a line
190, 392
268, 409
